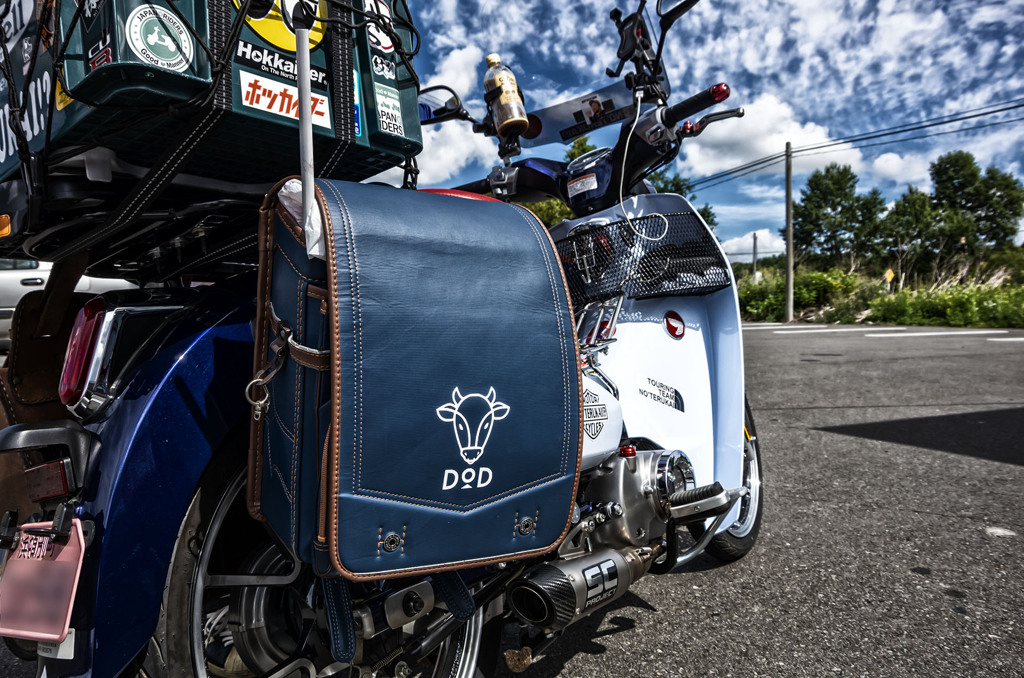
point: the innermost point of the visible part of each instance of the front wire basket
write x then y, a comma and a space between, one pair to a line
605, 260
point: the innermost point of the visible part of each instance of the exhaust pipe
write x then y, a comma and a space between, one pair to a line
553, 595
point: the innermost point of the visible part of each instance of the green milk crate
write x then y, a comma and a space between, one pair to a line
144, 82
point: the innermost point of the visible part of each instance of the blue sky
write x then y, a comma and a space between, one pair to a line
806, 71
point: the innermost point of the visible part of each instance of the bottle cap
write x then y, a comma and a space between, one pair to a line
493, 60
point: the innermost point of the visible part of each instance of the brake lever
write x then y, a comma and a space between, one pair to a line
689, 129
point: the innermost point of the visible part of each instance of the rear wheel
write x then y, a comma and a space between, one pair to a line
237, 605
734, 542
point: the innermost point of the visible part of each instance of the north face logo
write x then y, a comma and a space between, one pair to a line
472, 417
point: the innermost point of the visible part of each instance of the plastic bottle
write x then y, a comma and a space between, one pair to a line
507, 108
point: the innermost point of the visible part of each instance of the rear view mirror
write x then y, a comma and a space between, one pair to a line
440, 103
670, 10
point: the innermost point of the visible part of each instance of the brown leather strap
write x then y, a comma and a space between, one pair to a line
303, 355
64, 276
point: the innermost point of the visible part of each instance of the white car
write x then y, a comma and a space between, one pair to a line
18, 277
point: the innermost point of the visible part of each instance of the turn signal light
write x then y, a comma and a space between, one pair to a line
5, 225
74, 377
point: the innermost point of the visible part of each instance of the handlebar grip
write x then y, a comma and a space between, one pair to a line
715, 94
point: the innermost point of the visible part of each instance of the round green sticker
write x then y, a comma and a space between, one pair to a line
156, 35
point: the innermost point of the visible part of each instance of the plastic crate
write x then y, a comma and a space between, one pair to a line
141, 86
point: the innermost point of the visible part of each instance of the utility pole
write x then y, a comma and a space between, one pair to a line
789, 232
754, 272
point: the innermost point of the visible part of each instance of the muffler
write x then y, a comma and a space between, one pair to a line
553, 595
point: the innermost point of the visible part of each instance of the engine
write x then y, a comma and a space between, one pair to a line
615, 539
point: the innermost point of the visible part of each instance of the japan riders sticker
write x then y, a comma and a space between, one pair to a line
389, 109
159, 37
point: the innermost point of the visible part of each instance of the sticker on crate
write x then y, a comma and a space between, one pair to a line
389, 109
276, 64
271, 96
156, 35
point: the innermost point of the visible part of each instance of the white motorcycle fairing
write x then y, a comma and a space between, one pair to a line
682, 388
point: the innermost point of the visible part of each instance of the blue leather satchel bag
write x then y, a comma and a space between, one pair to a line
424, 408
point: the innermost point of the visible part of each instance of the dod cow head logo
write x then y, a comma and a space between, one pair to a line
473, 418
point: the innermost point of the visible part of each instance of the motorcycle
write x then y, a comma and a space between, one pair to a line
154, 565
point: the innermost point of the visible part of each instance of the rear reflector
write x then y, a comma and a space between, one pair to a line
80, 349
48, 480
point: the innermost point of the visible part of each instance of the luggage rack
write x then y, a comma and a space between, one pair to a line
158, 169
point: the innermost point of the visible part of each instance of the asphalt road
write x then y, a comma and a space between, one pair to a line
892, 531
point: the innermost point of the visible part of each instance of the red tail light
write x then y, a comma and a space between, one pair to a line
80, 349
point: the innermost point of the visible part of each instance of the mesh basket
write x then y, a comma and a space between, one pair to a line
645, 259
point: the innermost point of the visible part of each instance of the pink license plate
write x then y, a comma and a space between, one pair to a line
38, 584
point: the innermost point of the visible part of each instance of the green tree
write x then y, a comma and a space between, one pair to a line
833, 221
676, 184
977, 212
986, 206
904, 231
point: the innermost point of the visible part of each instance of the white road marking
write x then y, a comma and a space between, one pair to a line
1006, 339
999, 532
940, 334
838, 329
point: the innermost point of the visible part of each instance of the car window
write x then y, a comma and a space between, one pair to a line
17, 264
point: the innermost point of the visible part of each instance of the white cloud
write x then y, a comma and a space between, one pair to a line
458, 70
448, 149
905, 170
762, 192
768, 124
769, 244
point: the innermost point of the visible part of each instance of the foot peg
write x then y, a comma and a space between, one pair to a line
701, 503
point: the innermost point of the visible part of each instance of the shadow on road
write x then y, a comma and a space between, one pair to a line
993, 435
584, 637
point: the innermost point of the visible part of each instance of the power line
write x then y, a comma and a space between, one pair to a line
908, 128
920, 136
769, 160
928, 122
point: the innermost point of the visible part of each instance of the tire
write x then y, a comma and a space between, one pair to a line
217, 537
736, 541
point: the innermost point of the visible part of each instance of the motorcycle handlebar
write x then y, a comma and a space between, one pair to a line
715, 94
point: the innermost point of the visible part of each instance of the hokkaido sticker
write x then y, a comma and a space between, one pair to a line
159, 37
270, 96
389, 109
